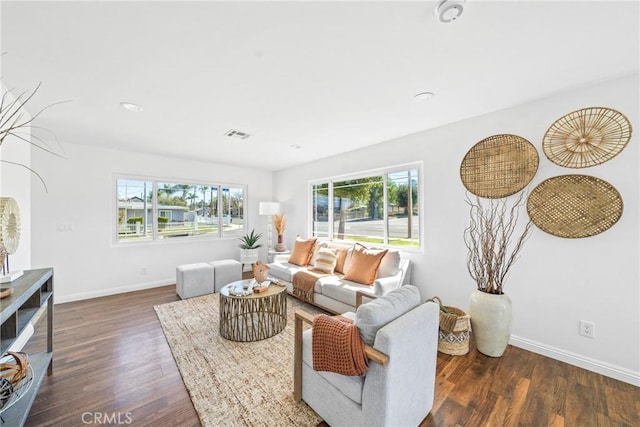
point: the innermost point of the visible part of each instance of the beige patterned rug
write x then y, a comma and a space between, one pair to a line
233, 383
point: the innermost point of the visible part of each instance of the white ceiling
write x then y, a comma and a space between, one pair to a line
328, 76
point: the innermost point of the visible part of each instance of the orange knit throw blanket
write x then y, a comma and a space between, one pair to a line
337, 346
303, 284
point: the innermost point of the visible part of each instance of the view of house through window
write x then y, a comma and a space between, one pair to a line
153, 210
378, 208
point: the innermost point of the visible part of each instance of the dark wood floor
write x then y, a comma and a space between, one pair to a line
112, 360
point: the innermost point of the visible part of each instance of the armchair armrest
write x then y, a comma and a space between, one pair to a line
360, 295
382, 285
304, 317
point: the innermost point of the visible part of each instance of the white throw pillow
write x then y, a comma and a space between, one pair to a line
317, 247
326, 259
390, 264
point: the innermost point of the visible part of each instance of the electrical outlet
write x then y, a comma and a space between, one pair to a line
65, 226
587, 329
143, 270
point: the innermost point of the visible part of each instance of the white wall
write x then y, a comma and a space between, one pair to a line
557, 281
15, 181
86, 261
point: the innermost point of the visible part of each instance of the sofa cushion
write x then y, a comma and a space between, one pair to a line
377, 313
390, 264
326, 260
284, 270
302, 251
350, 386
364, 263
343, 290
343, 252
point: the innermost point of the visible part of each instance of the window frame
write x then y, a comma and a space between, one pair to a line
384, 173
155, 210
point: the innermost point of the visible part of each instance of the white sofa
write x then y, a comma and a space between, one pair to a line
337, 295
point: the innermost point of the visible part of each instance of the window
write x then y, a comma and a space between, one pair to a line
156, 210
380, 208
320, 210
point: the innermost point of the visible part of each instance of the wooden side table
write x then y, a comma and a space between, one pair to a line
253, 317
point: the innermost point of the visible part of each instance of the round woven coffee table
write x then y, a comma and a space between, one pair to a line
253, 317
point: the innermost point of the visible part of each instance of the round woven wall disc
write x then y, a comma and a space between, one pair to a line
586, 137
499, 166
9, 224
574, 206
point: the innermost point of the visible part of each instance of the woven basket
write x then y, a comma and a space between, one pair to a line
15, 366
453, 343
453, 334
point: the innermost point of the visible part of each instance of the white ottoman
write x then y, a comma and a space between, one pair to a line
194, 280
227, 271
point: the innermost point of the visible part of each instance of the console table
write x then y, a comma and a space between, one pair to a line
32, 291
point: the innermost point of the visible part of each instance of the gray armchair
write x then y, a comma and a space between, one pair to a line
401, 337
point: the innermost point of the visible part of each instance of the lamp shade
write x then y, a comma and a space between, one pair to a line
268, 208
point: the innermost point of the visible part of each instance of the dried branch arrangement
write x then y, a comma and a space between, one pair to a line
491, 240
279, 222
14, 121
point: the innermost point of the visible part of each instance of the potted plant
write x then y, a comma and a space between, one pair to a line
249, 247
493, 248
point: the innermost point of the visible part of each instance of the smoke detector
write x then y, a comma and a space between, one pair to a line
237, 134
449, 10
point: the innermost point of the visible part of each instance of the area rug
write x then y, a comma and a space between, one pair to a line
234, 383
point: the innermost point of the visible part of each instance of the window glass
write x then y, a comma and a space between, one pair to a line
175, 218
379, 208
135, 210
358, 209
232, 211
181, 210
320, 210
403, 217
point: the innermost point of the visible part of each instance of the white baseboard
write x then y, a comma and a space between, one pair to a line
112, 291
606, 369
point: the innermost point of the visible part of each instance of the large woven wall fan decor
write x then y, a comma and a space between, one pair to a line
574, 206
499, 166
9, 224
586, 137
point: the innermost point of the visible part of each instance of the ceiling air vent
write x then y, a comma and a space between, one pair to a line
237, 134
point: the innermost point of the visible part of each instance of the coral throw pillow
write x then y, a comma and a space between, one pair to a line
342, 251
364, 264
302, 252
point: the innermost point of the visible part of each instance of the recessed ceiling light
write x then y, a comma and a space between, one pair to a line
295, 146
424, 96
131, 107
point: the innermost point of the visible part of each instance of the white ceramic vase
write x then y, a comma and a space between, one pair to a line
491, 317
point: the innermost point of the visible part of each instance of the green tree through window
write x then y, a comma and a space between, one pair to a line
379, 208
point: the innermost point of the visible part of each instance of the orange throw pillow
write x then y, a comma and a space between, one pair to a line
302, 252
364, 264
342, 252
